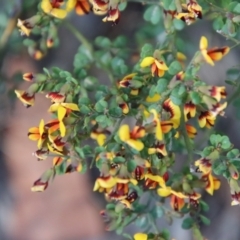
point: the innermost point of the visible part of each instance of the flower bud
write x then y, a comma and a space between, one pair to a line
28, 77
233, 171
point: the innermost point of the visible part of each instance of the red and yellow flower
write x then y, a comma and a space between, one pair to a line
26, 98
212, 183
206, 119
99, 136
189, 110
156, 121
53, 8
174, 112
152, 181
126, 83
62, 110
158, 67
113, 15
129, 199
159, 148
82, 7
213, 54
204, 165
195, 8
26, 26
130, 138
39, 186
38, 134
217, 109
191, 131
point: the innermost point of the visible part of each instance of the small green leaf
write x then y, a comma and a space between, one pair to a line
83, 100
225, 143
101, 118
218, 23
237, 8
195, 97
122, 6
219, 168
174, 68
131, 165
214, 139
115, 112
85, 109
187, 223
162, 85
103, 42
147, 50
204, 206
142, 221
176, 100
233, 153
205, 220
101, 106
157, 212
119, 160
178, 24
120, 42
231, 82
153, 14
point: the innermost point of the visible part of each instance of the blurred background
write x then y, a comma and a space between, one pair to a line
68, 209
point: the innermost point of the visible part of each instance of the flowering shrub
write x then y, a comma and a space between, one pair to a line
161, 94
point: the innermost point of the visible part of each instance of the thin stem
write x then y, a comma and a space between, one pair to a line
186, 138
153, 225
89, 46
79, 36
117, 125
235, 95
230, 38
7, 32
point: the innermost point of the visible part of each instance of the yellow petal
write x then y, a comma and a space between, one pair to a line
106, 183
61, 113
58, 13
40, 142
62, 128
124, 133
41, 127
156, 178
134, 181
70, 5
155, 98
147, 61
140, 236
179, 194
217, 183
101, 138
207, 57
33, 137
54, 107
158, 131
181, 57
164, 192
152, 150
126, 203
51, 149
46, 6
71, 106
135, 144
203, 43
161, 65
